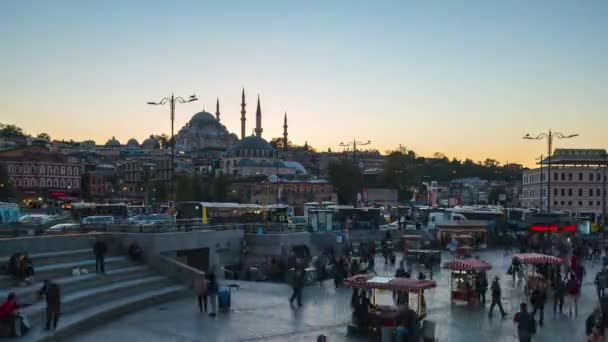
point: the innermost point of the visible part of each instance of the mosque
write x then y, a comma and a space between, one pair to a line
247, 156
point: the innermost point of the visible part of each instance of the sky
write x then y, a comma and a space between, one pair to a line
464, 78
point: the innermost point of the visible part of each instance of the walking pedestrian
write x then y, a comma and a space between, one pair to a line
538, 299
526, 326
200, 285
51, 291
297, 285
481, 284
99, 249
593, 324
559, 291
212, 290
496, 294
573, 293
515, 268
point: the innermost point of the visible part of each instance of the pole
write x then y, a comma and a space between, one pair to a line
549, 143
172, 150
541, 182
604, 190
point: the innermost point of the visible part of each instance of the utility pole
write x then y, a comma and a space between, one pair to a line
171, 101
541, 181
549, 136
604, 190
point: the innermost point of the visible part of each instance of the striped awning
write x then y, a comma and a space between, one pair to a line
537, 258
467, 265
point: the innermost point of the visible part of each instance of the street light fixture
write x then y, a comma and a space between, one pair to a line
171, 101
549, 136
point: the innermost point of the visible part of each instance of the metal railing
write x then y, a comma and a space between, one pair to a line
16, 230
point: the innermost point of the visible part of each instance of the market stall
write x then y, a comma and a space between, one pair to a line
373, 283
465, 273
529, 262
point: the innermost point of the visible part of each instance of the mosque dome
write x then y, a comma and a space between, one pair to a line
113, 143
132, 143
251, 146
202, 118
150, 144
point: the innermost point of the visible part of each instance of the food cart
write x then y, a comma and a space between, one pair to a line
464, 276
464, 251
533, 259
384, 318
411, 241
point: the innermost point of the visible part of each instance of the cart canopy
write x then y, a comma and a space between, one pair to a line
537, 258
364, 281
467, 265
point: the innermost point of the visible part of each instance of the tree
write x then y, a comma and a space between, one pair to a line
6, 189
163, 140
346, 179
44, 136
9, 131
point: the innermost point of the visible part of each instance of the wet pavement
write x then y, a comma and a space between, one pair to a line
266, 314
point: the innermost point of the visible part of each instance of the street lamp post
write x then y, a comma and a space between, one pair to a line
171, 101
540, 159
549, 136
354, 145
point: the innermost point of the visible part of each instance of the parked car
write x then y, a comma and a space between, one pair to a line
34, 219
97, 222
64, 228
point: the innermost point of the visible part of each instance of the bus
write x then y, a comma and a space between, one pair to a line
80, 210
349, 217
230, 212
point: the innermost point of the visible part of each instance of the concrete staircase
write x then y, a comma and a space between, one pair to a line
88, 299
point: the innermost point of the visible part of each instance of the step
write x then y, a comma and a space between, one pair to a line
43, 259
65, 269
72, 323
71, 283
82, 300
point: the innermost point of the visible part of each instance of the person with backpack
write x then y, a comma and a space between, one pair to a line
538, 299
526, 326
593, 324
496, 296
573, 293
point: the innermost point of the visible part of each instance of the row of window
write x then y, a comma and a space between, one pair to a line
580, 203
563, 176
581, 192
562, 203
45, 182
43, 169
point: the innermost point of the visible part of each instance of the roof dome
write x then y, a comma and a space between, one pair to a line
113, 143
133, 143
251, 143
150, 144
201, 118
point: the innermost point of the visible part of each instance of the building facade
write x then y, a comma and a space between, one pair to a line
37, 170
291, 192
578, 183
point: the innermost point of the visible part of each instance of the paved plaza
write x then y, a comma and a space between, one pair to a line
263, 313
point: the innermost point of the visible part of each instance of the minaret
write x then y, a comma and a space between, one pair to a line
258, 120
243, 119
217, 110
285, 141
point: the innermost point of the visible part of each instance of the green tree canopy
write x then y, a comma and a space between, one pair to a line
347, 180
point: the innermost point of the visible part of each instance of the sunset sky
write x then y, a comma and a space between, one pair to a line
465, 78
